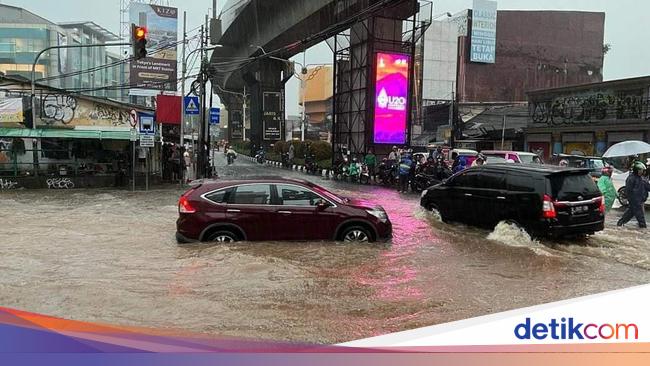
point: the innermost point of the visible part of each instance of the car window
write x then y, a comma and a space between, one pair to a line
493, 159
252, 194
491, 180
527, 159
467, 180
290, 195
518, 182
597, 164
220, 196
570, 187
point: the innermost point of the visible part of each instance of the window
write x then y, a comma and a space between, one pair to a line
290, 195
569, 187
220, 196
253, 194
520, 183
55, 149
466, 180
491, 180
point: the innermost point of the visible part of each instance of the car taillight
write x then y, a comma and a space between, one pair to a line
548, 209
601, 207
184, 206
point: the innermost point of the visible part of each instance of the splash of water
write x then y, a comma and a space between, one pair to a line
511, 234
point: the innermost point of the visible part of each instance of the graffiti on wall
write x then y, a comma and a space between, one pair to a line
60, 183
116, 116
6, 184
68, 110
58, 108
584, 109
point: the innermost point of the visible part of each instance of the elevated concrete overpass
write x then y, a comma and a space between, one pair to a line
257, 33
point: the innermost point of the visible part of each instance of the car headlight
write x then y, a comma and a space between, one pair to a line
379, 213
424, 193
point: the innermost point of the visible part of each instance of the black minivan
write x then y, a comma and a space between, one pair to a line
545, 200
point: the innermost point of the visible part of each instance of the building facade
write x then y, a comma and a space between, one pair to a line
316, 91
588, 119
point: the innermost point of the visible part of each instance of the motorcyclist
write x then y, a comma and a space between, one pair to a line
636, 189
231, 155
355, 169
607, 188
480, 160
462, 164
405, 167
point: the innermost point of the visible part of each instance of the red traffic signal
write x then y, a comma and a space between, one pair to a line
138, 41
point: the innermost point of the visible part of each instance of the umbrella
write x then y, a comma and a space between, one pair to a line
627, 148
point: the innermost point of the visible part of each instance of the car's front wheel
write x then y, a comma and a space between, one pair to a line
356, 234
223, 237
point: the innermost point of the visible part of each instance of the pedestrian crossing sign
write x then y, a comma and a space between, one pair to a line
191, 105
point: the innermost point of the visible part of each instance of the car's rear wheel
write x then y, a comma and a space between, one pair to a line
436, 213
356, 234
223, 236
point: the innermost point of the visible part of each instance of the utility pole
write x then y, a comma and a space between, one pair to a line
303, 84
451, 117
184, 72
503, 133
244, 116
199, 150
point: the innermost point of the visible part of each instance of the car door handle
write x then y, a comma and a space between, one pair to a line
233, 210
285, 212
469, 195
501, 198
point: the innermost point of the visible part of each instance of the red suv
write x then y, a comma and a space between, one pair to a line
276, 209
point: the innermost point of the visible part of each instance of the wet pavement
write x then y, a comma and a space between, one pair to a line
110, 256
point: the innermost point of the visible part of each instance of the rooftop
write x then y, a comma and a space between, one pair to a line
93, 27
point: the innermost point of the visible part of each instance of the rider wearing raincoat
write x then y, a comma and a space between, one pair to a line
607, 188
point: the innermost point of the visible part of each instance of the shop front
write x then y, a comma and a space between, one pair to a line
588, 119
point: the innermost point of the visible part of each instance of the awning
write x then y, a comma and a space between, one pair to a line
65, 134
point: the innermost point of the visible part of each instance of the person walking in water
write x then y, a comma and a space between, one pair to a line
607, 188
636, 189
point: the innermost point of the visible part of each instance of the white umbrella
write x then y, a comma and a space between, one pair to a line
627, 148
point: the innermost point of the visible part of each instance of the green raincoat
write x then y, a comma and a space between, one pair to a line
607, 189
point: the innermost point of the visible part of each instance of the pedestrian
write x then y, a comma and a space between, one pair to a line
292, 152
393, 156
371, 162
636, 189
479, 161
607, 188
405, 166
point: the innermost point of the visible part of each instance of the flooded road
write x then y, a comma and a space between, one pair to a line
110, 256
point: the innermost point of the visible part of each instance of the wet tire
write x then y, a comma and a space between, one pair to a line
622, 197
356, 234
223, 236
364, 179
435, 209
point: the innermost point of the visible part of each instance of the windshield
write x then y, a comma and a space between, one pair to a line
597, 164
493, 159
528, 159
571, 187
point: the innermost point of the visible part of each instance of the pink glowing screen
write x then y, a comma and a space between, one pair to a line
391, 98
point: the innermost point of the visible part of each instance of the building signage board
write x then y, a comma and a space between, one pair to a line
391, 98
11, 110
215, 116
235, 125
484, 32
158, 70
147, 141
273, 116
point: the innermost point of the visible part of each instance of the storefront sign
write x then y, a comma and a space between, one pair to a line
147, 141
484, 32
273, 116
235, 125
11, 110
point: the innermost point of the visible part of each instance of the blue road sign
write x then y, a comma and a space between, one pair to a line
192, 106
147, 124
215, 116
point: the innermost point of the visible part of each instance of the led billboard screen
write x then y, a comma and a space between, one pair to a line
391, 98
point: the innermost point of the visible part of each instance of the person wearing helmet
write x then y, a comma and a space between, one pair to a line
607, 188
479, 161
636, 189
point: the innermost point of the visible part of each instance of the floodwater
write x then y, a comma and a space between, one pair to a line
110, 256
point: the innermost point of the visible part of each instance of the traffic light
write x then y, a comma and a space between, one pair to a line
139, 41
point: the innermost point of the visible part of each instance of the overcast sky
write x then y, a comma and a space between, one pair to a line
626, 26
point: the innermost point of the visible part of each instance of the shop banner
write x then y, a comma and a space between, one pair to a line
484, 32
11, 110
273, 116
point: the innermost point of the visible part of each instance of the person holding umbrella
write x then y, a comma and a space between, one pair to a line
636, 189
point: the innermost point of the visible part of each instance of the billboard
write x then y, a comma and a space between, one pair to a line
391, 98
273, 116
236, 126
484, 32
158, 70
11, 110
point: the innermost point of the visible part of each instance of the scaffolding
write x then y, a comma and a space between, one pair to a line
396, 29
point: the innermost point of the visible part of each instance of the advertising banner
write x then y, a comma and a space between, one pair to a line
159, 69
11, 110
273, 116
236, 126
391, 98
484, 32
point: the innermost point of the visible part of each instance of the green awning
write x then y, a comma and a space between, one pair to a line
65, 133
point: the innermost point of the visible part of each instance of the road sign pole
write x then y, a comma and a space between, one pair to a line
133, 165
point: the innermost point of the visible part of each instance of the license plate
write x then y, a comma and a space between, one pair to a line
579, 209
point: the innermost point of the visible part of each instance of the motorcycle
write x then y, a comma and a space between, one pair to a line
286, 162
310, 164
354, 172
231, 158
422, 181
260, 157
386, 173
342, 170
